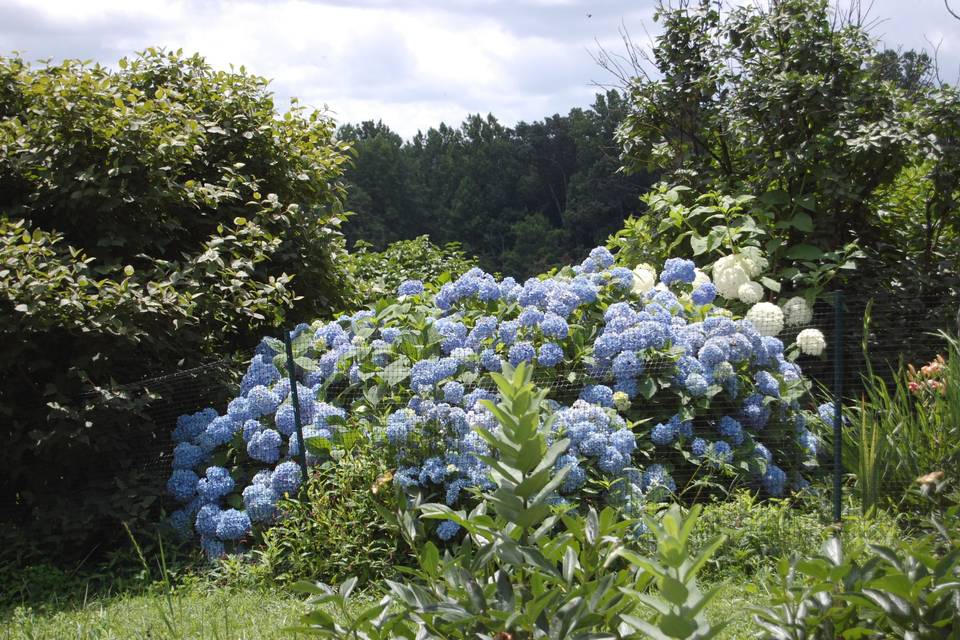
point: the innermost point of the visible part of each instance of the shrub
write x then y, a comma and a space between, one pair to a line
335, 529
653, 389
150, 217
909, 590
379, 273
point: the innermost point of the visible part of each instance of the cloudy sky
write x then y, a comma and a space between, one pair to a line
411, 63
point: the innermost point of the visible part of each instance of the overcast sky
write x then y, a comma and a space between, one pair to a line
411, 63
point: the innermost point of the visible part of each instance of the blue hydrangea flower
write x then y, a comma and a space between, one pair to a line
410, 288
390, 334
240, 410
597, 394
265, 446
260, 502
622, 278
602, 257
553, 326
453, 392
755, 413
696, 384
192, 425
233, 525
182, 485
731, 429
212, 548
721, 452
521, 352
704, 294
221, 429
576, 476
698, 447
767, 384
207, 519
627, 365
530, 317
551, 354
263, 401
678, 270
286, 477
490, 361
808, 442
663, 434
215, 484
400, 425
774, 480
261, 372
187, 456
447, 529
656, 477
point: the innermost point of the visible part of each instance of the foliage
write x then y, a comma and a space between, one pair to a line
335, 528
904, 428
911, 590
761, 532
150, 217
514, 577
781, 127
777, 102
655, 390
521, 199
379, 273
712, 225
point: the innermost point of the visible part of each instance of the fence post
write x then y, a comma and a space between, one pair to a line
295, 398
838, 406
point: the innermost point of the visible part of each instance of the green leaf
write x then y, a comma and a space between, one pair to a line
804, 252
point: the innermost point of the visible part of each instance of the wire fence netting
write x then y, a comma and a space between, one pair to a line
861, 335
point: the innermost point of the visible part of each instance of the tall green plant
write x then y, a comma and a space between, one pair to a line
523, 570
900, 435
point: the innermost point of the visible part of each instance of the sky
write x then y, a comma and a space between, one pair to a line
410, 63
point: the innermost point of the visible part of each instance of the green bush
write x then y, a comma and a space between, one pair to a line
760, 533
379, 273
908, 589
150, 217
336, 528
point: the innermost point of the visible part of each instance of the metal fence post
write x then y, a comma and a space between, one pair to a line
295, 398
838, 406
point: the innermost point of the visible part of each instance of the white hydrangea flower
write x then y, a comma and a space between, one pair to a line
699, 278
750, 292
797, 312
766, 317
644, 278
730, 273
811, 342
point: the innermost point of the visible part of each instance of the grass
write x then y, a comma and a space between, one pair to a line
215, 614
231, 614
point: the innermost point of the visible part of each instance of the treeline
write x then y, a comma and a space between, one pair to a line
522, 199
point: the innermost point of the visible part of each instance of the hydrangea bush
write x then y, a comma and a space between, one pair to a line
652, 381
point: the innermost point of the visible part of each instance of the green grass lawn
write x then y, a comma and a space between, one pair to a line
223, 614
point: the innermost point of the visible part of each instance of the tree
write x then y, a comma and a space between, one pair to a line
150, 217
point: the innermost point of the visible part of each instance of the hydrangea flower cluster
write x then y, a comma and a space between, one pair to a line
650, 381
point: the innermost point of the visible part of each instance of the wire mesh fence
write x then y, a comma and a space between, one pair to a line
860, 336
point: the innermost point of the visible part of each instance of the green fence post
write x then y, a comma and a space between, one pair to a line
838, 406
295, 398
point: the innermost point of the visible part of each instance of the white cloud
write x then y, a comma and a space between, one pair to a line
411, 64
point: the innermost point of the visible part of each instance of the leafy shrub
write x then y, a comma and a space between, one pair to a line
150, 217
653, 388
910, 590
760, 533
514, 576
379, 273
335, 529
